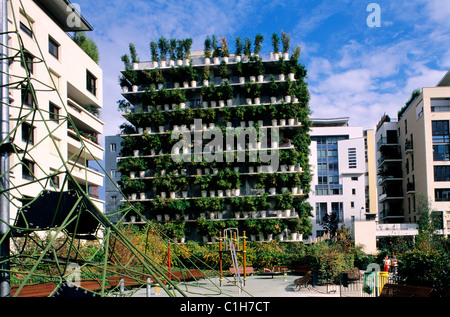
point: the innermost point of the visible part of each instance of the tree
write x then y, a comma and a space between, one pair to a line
87, 45
330, 223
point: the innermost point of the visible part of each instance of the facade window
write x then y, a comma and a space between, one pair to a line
113, 147
54, 179
442, 173
91, 83
321, 211
113, 173
440, 131
53, 47
114, 199
442, 194
27, 96
27, 169
27, 133
26, 29
352, 158
338, 209
441, 140
53, 112
28, 58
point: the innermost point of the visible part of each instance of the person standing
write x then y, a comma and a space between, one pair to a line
394, 264
387, 263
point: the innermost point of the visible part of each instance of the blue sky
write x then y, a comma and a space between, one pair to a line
353, 70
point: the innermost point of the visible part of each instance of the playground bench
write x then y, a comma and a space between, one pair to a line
248, 270
274, 270
128, 281
34, 290
399, 290
185, 275
301, 270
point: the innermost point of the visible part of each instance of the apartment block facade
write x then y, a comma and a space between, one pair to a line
55, 95
413, 157
342, 160
179, 106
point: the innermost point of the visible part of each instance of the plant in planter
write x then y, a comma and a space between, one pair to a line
175, 229
163, 46
286, 41
273, 89
284, 201
207, 47
223, 70
239, 46
252, 227
187, 44
258, 41
275, 42
224, 44
154, 51
247, 47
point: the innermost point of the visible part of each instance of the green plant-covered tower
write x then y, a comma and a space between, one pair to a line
216, 140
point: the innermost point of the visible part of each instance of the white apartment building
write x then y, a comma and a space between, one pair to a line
66, 83
340, 182
413, 157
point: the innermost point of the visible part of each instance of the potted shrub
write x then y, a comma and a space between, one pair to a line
207, 50
258, 41
273, 90
286, 42
275, 42
239, 48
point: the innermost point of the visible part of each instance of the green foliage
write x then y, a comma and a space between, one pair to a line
87, 45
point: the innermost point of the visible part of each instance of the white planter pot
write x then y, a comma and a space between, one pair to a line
134, 88
199, 171
254, 214
287, 98
220, 193
229, 102
211, 216
281, 237
245, 214
281, 77
166, 217
204, 193
171, 63
251, 169
206, 83
213, 103
272, 191
248, 101
207, 60
212, 193
291, 168
287, 213
237, 215
260, 78
238, 58
294, 190
253, 237
252, 78
184, 193
176, 84
193, 83
270, 237
274, 122
216, 60
286, 56
185, 84
179, 62
261, 237
205, 239
282, 122
273, 99
160, 85
291, 121
257, 101
162, 63
294, 236
291, 76
262, 213
125, 89
159, 217
221, 103
242, 80
161, 128
163, 195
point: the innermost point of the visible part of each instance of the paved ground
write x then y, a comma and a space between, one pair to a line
257, 286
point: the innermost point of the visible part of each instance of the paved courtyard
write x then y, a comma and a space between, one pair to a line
257, 286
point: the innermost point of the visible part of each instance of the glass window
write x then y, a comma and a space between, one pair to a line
53, 47
91, 83
441, 152
53, 112
27, 133
442, 194
440, 131
442, 173
321, 211
27, 169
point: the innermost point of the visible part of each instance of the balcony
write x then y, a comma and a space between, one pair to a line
397, 229
384, 141
84, 119
90, 151
84, 174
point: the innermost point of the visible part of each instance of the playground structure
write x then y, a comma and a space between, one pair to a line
231, 243
60, 242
